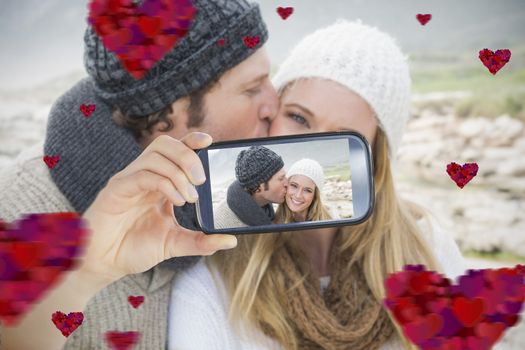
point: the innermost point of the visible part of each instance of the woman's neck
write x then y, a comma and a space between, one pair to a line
317, 245
300, 216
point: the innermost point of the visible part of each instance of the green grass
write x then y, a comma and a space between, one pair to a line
495, 256
342, 172
491, 96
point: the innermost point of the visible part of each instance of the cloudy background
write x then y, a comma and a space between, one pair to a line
42, 39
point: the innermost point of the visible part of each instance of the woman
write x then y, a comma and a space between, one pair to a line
265, 293
303, 194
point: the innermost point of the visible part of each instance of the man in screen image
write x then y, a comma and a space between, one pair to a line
260, 181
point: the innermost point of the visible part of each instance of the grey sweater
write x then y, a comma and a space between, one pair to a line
27, 187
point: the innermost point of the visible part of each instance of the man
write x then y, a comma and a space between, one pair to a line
200, 85
261, 181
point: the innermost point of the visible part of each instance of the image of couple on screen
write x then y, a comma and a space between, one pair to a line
261, 181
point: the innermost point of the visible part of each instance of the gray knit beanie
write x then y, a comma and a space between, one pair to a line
256, 165
195, 60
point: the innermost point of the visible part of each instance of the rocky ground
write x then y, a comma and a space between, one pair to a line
488, 214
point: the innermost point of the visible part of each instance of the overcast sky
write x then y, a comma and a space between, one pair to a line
42, 39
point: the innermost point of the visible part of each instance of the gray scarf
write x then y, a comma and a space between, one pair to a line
246, 209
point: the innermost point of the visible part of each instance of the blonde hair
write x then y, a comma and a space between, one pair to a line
316, 211
383, 244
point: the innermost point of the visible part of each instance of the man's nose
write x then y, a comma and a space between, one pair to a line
270, 104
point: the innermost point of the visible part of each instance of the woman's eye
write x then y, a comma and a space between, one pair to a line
298, 119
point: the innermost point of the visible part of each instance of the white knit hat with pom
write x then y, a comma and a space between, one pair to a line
309, 168
365, 60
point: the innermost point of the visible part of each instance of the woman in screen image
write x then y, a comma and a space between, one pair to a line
324, 288
303, 194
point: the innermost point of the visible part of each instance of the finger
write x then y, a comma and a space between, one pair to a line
187, 242
181, 153
119, 191
159, 164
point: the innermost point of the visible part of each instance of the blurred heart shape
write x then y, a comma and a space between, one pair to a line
284, 12
122, 340
34, 253
140, 35
135, 301
423, 18
458, 317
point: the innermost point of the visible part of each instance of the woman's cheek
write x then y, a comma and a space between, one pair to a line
283, 125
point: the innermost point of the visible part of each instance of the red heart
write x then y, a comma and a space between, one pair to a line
462, 174
284, 12
251, 41
67, 324
51, 161
87, 110
135, 301
423, 19
129, 30
122, 340
468, 311
494, 61
458, 317
34, 252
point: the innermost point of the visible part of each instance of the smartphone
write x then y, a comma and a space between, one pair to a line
285, 183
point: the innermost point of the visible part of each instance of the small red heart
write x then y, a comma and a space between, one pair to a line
285, 12
122, 340
221, 42
87, 110
251, 41
135, 301
462, 174
51, 161
424, 18
467, 311
67, 324
494, 61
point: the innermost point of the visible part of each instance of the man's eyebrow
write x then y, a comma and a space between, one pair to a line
303, 108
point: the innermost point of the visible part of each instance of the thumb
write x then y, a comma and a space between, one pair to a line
185, 242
